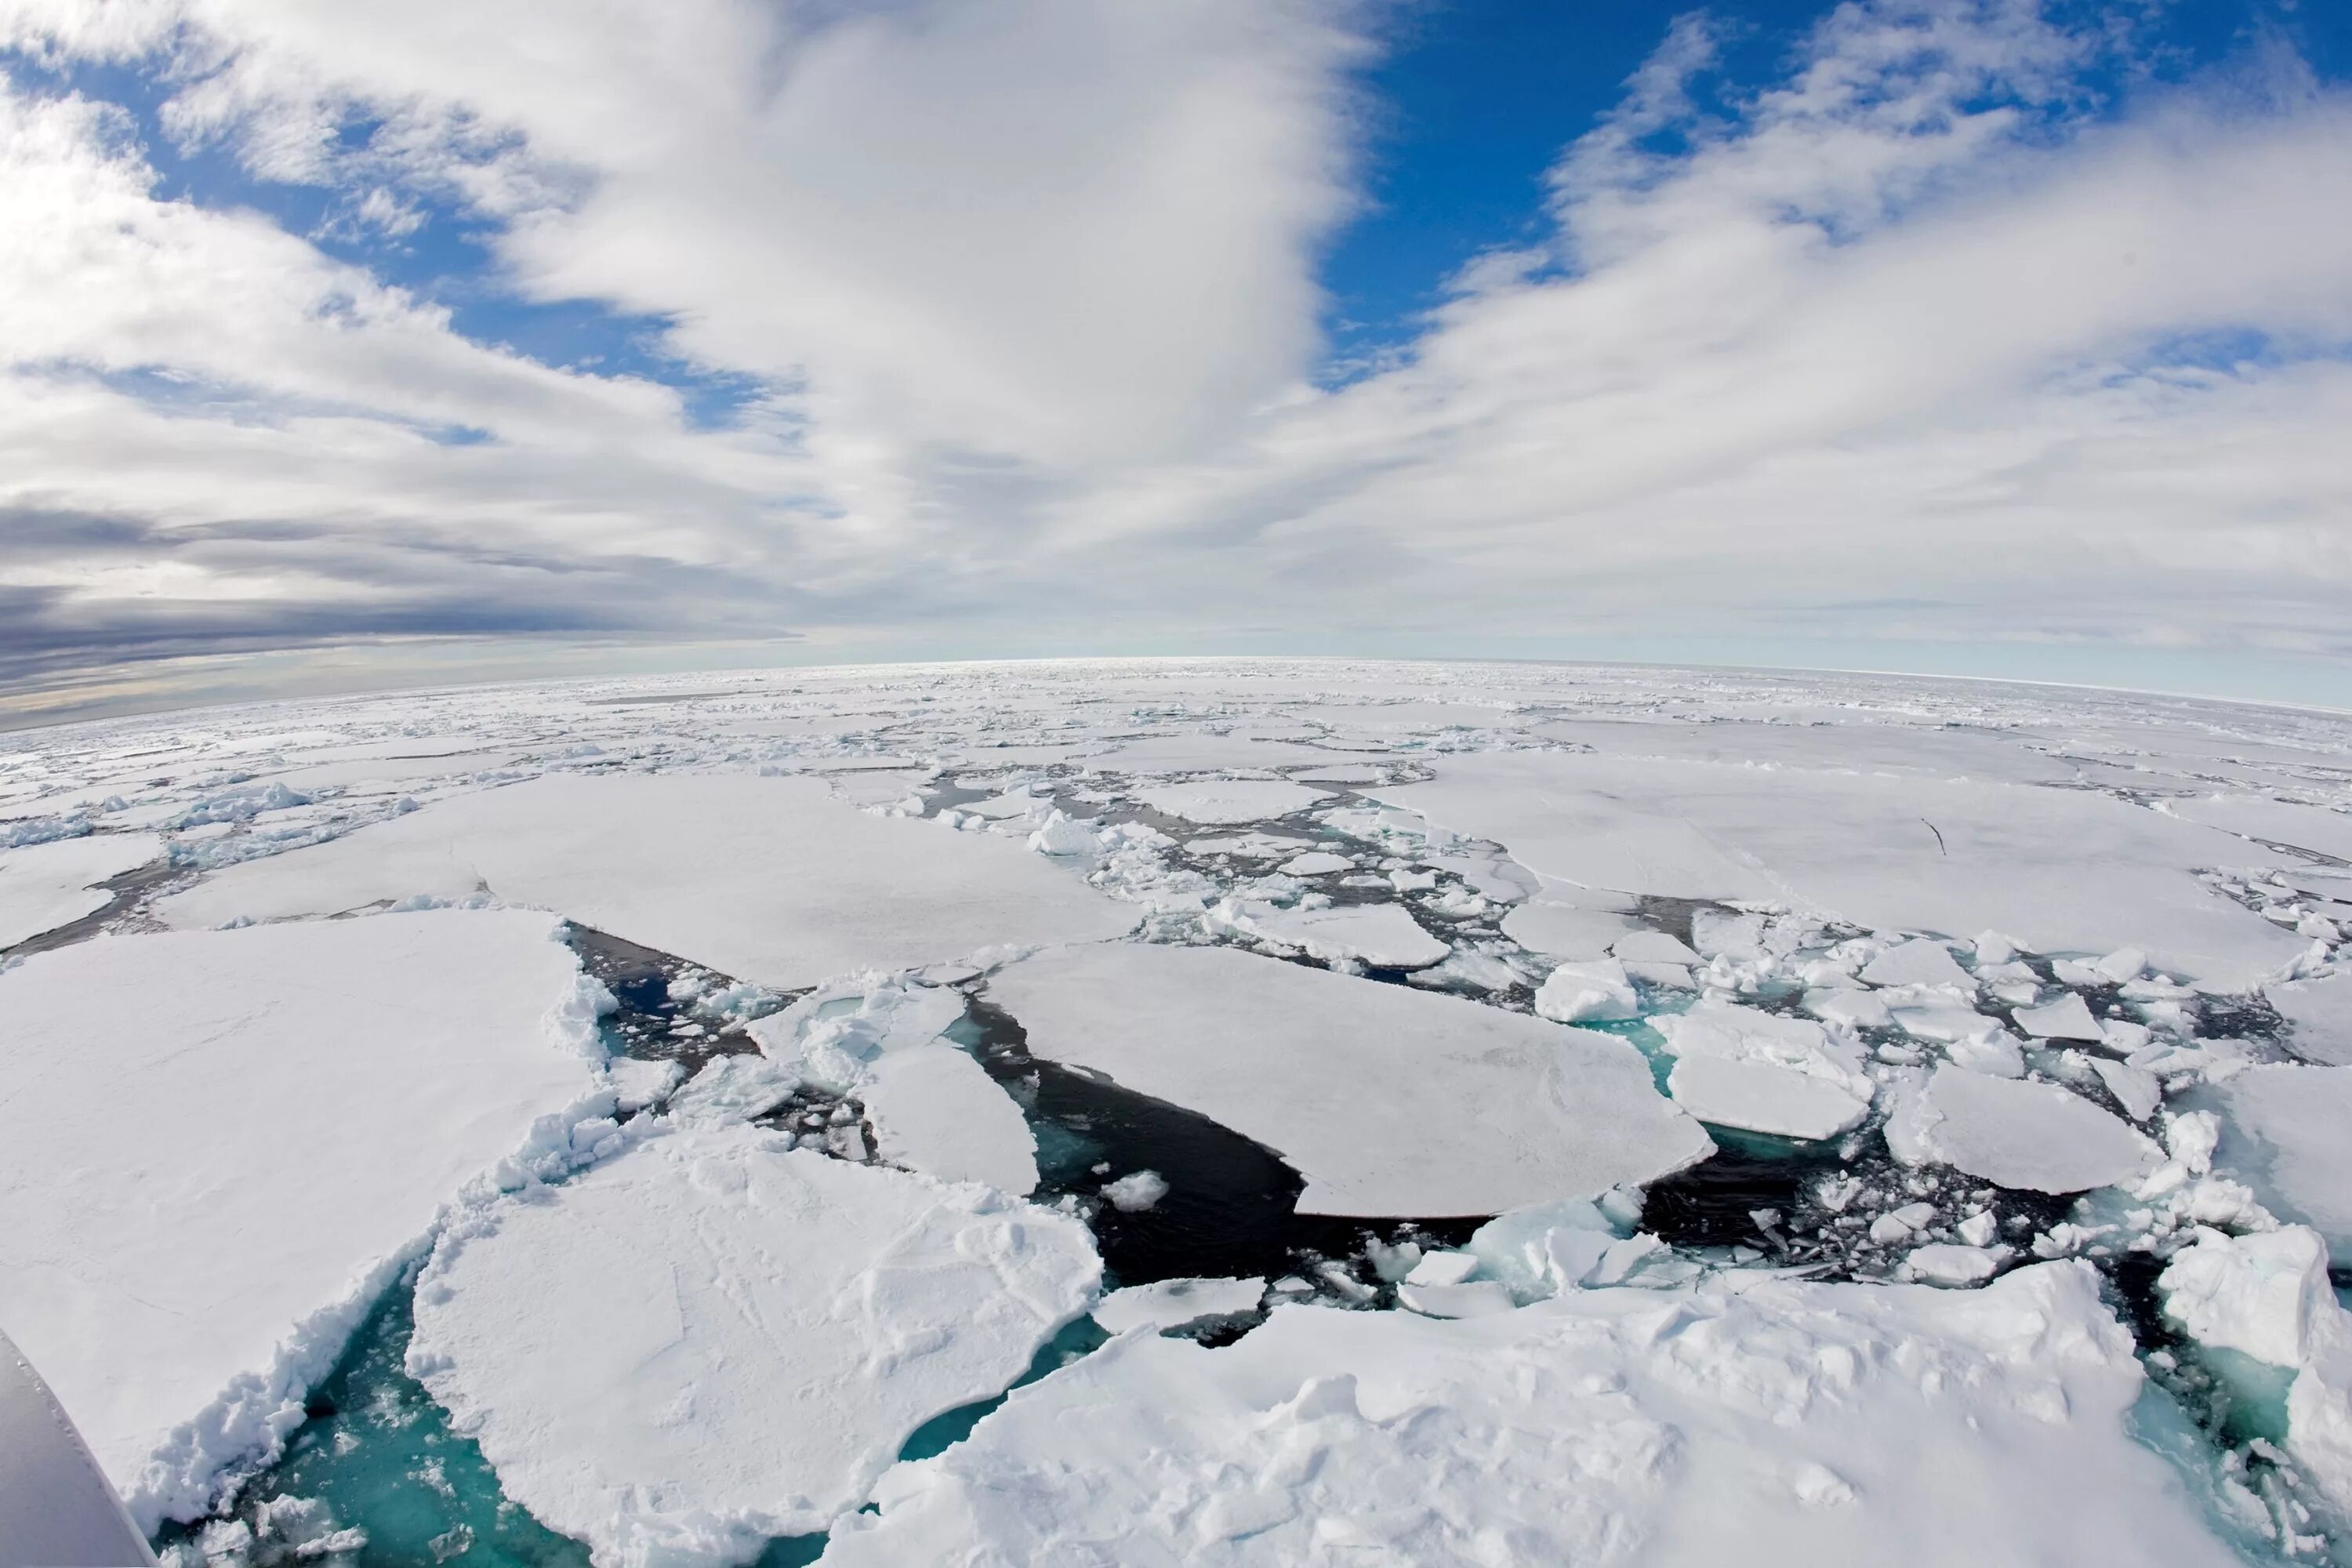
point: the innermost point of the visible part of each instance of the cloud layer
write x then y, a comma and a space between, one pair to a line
1924, 340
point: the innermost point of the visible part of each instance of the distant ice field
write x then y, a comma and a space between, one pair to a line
1248, 1111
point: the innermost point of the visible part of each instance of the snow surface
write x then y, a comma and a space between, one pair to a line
2035, 1136
1387, 1100
766, 879
2319, 1012
1173, 1303
935, 1110
1762, 1421
45, 886
713, 1338
1226, 802
2068, 1018
220, 1147
1765, 1072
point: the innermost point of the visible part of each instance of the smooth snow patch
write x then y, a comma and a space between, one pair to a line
222, 1144
45, 886
2034, 1136
712, 1339
768, 879
936, 1110
1757, 1421
1387, 1100
2320, 1014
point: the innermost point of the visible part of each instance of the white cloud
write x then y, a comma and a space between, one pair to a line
1891, 347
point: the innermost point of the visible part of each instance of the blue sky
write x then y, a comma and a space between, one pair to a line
1948, 334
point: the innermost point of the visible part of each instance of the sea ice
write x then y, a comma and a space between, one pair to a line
1595, 988
221, 1146
2262, 1295
1389, 1100
2319, 1017
1918, 961
1566, 932
1221, 802
1751, 1421
2014, 1133
1385, 936
2068, 1018
1316, 863
1173, 1303
936, 1110
713, 1339
768, 879
1737, 1067
1941, 1263
45, 886
2287, 1133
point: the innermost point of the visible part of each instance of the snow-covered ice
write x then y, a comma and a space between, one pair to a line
713, 1339
1763, 1421
1595, 988
1226, 802
2035, 1136
1382, 935
2287, 1133
1173, 1303
2067, 1018
1387, 1100
935, 1110
764, 878
1765, 1072
2319, 1018
222, 1144
45, 886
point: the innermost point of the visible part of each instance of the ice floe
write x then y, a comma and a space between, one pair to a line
713, 1338
1765, 1072
1173, 1303
2287, 1133
1596, 988
45, 886
2318, 1013
2030, 1135
1765, 1421
1225, 802
1384, 936
935, 1110
222, 1145
1387, 1100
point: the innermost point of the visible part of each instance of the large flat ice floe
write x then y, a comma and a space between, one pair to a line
712, 1339
220, 1144
2035, 1136
770, 879
2064, 871
45, 886
1229, 802
1765, 1421
1387, 1100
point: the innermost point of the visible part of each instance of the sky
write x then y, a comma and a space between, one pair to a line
391, 343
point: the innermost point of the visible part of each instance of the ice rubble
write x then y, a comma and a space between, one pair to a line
1755, 1420
2035, 1137
1387, 1101
713, 1338
221, 1145
2066, 870
768, 879
45, 886
1173, 1303
1739, 1067
1595, 988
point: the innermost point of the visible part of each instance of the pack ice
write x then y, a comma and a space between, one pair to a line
713, 1337
221, 1146
1754, 1420
45, 886
770, 879
1387, 1101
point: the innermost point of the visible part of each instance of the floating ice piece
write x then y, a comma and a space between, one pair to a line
1851, 1009
1940, 1264
1136, 1192
2319, 1016
1316, 863
1996, 1055
935, 1110
1595, 988
1653, 947
713, 1340
1221, 803
1944, 1020
1173, 1303
1385, 936
2068, 1018
768, 880
1543, 1250
1918, 961
637, 1084
1737, 1067
1852, 1423
45, 886
2285, 1136
1564, 931
222, 1145
1389, 1100
2034, 1136
1060, 835
1993, 950
2264, 1294
2137, 1091
2125, 963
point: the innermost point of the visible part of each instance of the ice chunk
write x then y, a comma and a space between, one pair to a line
45, 886
1653, 947
1173, 1303
1565, 931
1464, 1299
1596, 988
1853, 1424
2260, 1294
1136, 1192
1852, 1009
1221, 803
2034, 1136
1739, 1067
1316, 863
936, 1110
2319, 1017
713, 1339
1384, 935
2285, 1136
1059, 835
1442, 1268
1543, 1250
1389, 1100
222, 1145
2137, 1091
1918, 961
2068, 1018
1939, 1264
768, 880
